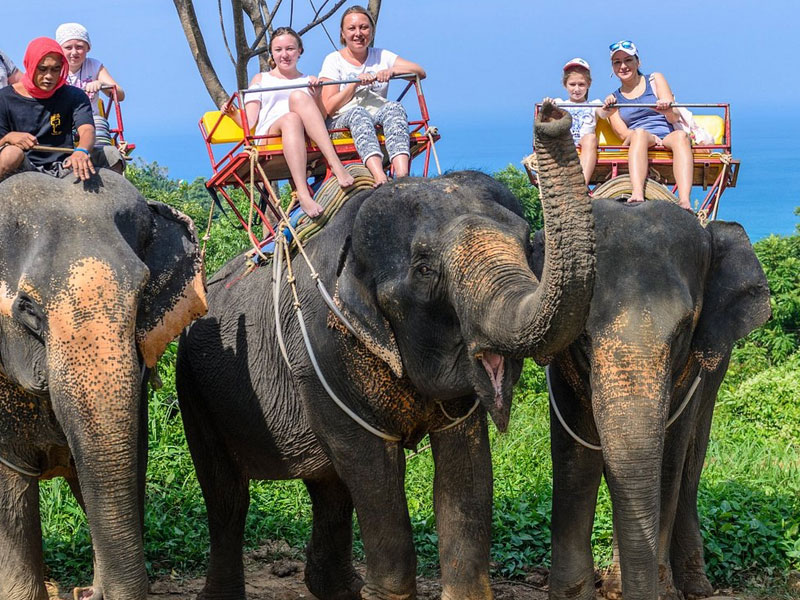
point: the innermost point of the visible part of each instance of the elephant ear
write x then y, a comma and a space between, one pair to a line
736, 296
357, 298
175, 294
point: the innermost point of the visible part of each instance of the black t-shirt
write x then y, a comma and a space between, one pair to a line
51, 119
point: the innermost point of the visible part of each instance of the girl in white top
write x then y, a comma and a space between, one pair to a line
86, 73
291, 114
577, 79
360, 106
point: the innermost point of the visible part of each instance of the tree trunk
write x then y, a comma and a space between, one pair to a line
197, 45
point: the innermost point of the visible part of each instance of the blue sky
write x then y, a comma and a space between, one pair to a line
487, 63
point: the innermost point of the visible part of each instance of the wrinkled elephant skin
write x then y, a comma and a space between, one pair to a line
94, 282
670, 300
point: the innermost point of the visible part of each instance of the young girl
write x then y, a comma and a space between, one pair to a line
291, 113
88, 74
577, 79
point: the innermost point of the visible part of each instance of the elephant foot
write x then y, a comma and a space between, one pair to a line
690, 577
373, 592
580, 590
695, 586
86, 593
666, 585
612, 584
345, 588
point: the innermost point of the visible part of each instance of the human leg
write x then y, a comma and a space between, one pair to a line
11, 158
682, 165
290, 127
588, 155
362, 128
314, 125
639, 142
394, 120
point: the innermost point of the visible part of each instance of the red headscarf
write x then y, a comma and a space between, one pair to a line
37, 50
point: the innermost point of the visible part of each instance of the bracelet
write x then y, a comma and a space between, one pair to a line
84, 150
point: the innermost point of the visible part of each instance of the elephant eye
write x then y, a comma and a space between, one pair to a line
424, 270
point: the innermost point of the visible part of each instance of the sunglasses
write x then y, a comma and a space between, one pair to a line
625, 44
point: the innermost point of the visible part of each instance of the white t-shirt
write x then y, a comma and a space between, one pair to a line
86, 74
7, 69
584, 119
335, 67
274, 104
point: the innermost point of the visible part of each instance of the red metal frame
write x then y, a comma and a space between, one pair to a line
232, 168
707, 160
117, 132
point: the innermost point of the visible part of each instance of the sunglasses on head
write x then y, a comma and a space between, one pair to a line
626, 44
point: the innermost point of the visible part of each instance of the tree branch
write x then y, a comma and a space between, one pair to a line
197, 46
253, 10
319, 20
242, 48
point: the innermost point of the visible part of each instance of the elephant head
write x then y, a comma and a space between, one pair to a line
93, 285
453, 275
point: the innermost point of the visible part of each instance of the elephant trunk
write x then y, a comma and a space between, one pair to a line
95, 394
518, 315
630, 402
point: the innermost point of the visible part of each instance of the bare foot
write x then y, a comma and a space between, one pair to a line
378, 184
343, 177
633, 200
310, 207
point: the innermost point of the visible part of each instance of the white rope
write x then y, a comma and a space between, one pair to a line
457, 420
385, 436
277, 267
20, 470
430, 132
586, 444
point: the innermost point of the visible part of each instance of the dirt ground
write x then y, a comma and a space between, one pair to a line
281, 578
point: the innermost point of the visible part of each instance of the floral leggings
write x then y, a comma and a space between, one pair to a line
391, 116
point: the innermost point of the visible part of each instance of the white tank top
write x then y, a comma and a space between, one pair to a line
274, 104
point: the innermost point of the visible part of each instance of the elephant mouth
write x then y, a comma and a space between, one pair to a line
492, 397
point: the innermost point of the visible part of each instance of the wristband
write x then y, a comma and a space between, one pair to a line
84, 150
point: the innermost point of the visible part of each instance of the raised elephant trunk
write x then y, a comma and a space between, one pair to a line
630, 401
518, 315
94, 388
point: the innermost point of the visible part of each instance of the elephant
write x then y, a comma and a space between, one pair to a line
670, 299
94, 283
439, 306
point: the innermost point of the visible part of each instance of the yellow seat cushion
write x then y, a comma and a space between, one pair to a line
226, 132
713, 124
606, 135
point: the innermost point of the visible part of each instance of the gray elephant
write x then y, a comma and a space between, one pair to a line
433, 278
94, 282
670, 300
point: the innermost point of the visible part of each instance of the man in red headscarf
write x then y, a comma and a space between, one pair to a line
41, 109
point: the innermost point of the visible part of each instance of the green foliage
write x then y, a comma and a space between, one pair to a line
780, 258
517, 181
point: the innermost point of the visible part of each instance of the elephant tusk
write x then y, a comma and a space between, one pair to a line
20, 470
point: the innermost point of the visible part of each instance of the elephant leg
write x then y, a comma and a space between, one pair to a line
75, 488
577, 473
329, 556
686, 548
374, 472
227, 497
21, 563
462, 496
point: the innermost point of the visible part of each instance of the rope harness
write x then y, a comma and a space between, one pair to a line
331, 197
586, 444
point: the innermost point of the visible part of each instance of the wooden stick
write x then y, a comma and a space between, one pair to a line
53, 149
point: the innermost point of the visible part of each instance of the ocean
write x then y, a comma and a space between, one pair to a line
764, 200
